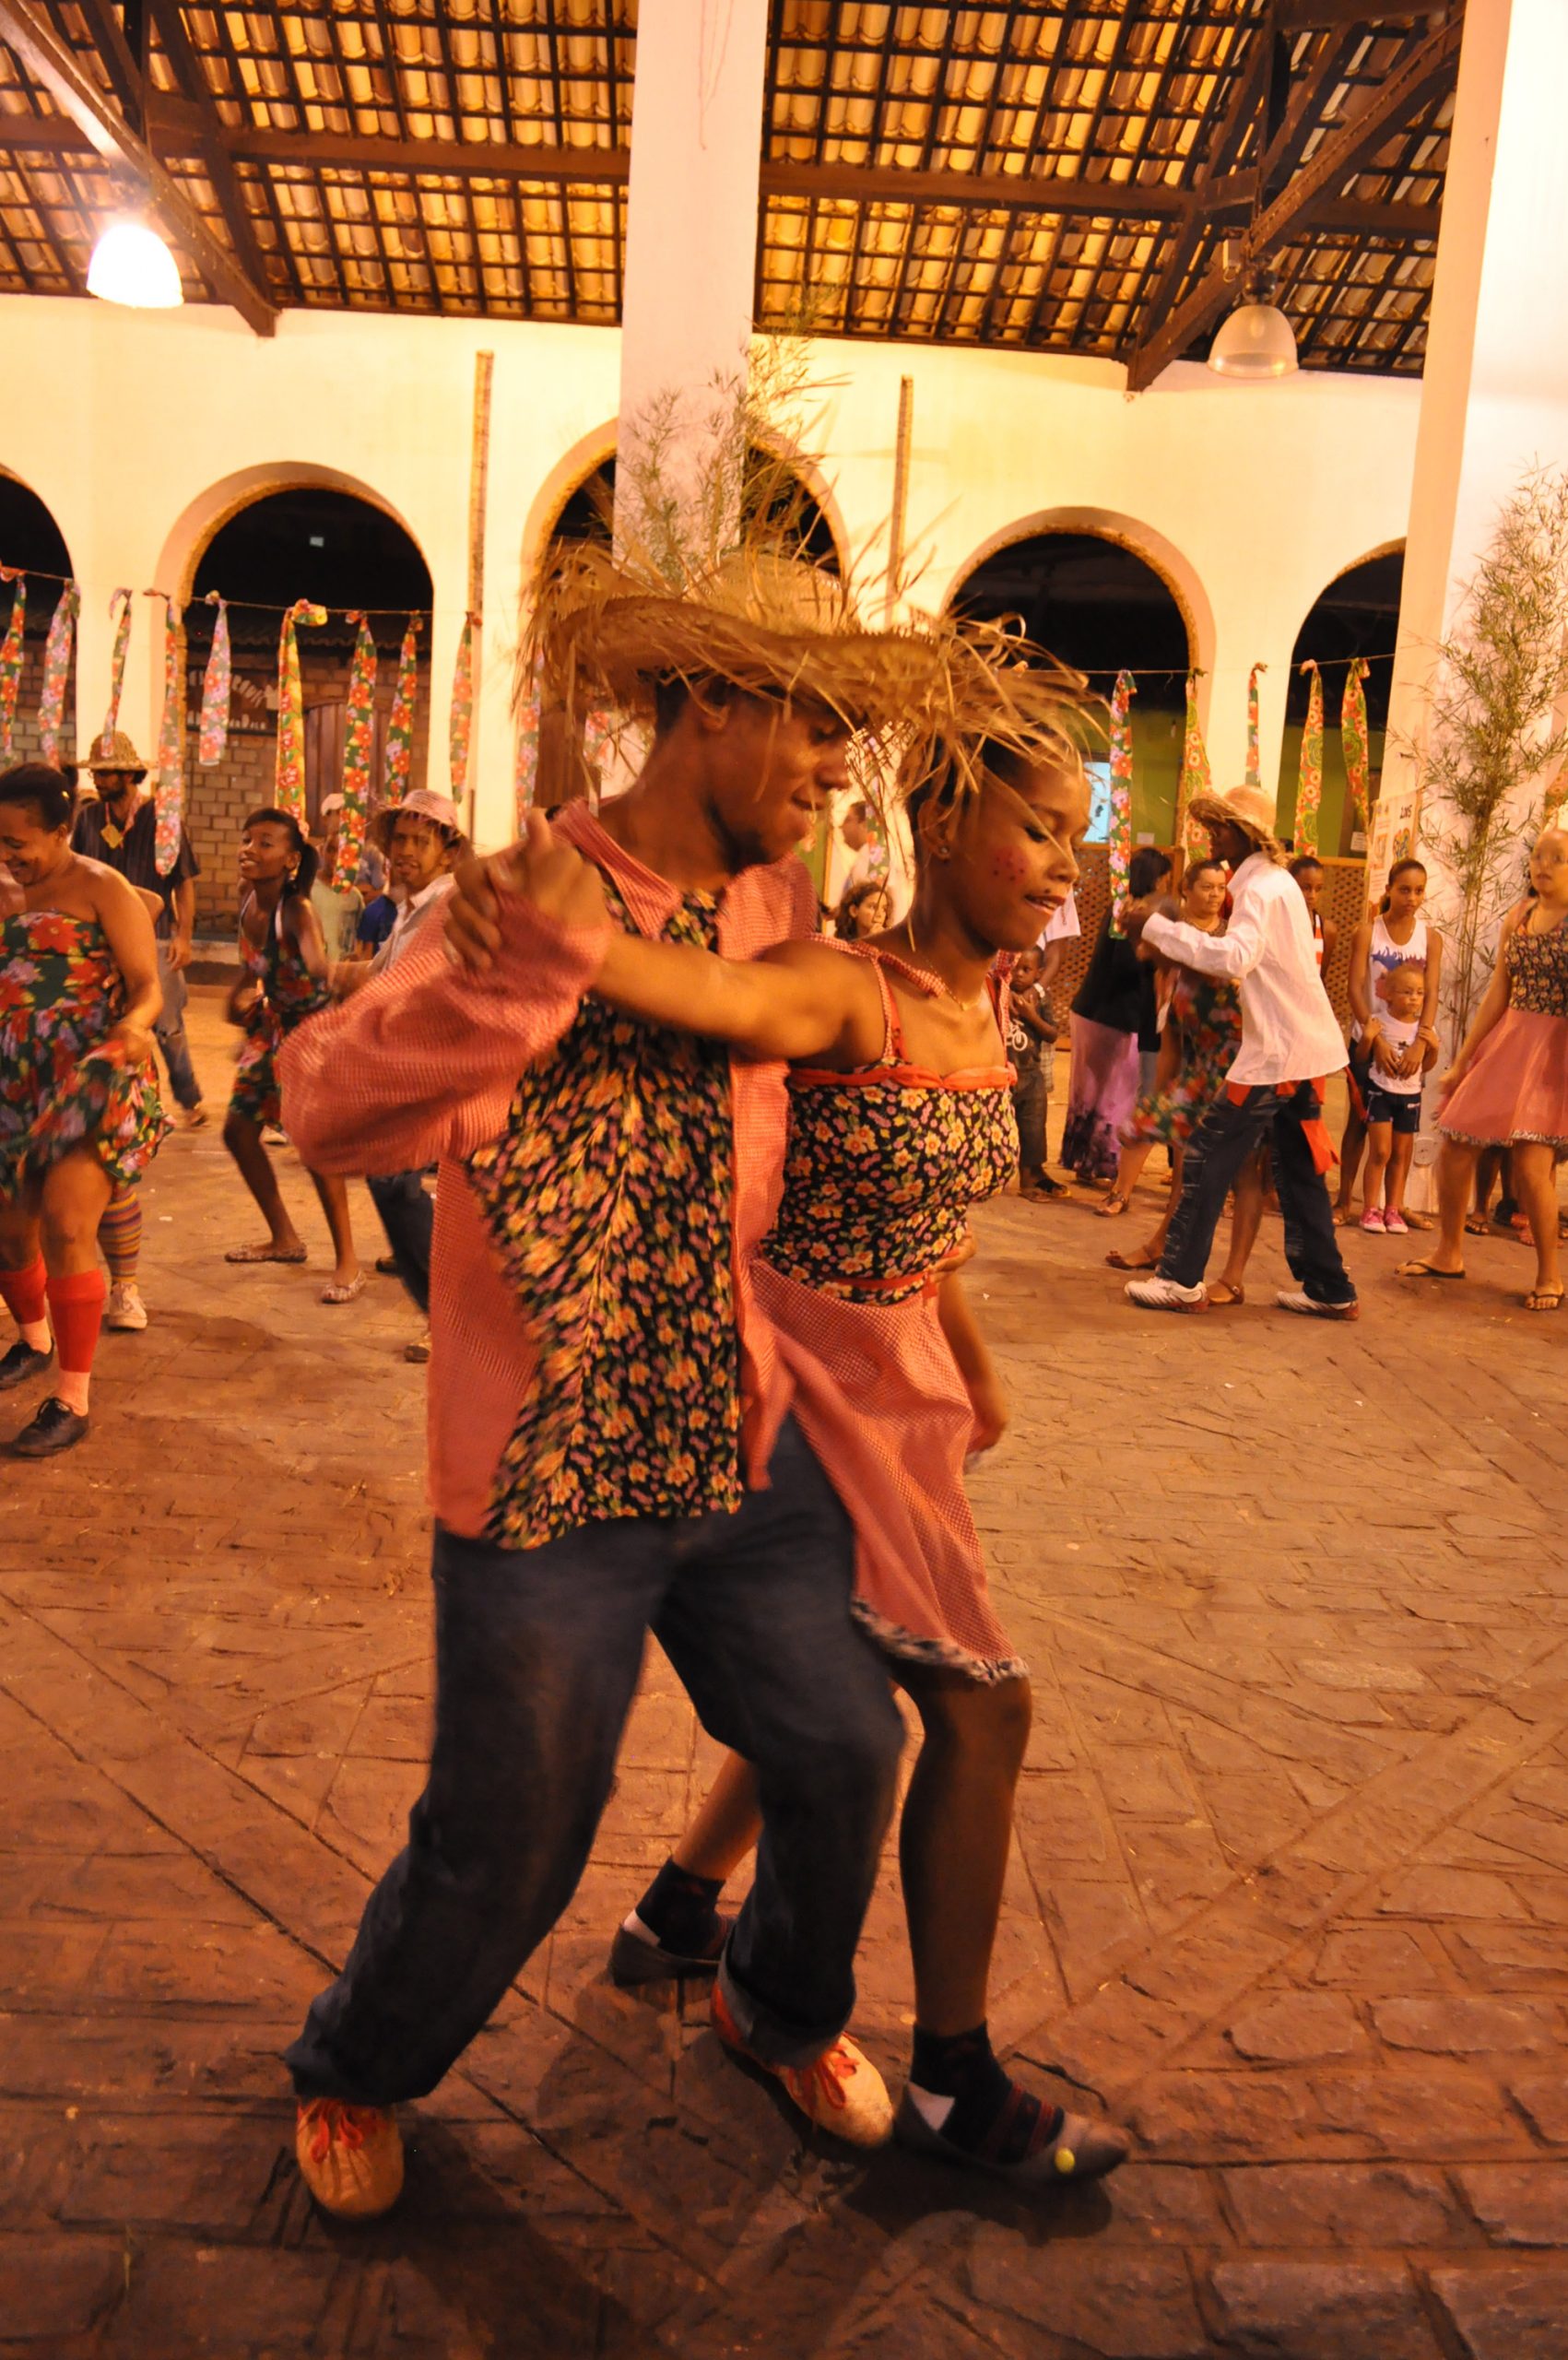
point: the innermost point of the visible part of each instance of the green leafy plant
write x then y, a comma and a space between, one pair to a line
1496, 739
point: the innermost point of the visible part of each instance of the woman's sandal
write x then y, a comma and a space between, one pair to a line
264, 1254
1346, 1217
1475, 1225
1120, 1261
1222, 1294
1110, 1207
1544, 1299
1423, 1270
340, 1293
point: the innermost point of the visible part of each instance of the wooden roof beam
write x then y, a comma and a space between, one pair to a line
49, 61
1301, 202
192, 83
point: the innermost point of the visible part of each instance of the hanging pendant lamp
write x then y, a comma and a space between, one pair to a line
1256, 342
131, 265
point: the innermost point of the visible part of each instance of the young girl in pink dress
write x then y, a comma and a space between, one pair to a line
1508, 1086
901, 1120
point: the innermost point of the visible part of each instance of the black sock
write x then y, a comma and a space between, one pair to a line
679, 1909
991, 2111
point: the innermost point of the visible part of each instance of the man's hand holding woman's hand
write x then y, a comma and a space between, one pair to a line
543, 868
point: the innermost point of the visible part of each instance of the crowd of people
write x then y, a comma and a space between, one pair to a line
703, 1360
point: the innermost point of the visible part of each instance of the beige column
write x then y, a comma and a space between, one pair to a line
691, 228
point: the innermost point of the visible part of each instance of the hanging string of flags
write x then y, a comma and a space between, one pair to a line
1120, 829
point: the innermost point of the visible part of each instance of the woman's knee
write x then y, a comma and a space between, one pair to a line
989, 1720
239, 1132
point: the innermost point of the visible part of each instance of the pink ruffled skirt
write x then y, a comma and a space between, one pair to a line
880, 1401
1516, 1087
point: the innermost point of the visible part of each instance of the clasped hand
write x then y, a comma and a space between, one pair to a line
543, 868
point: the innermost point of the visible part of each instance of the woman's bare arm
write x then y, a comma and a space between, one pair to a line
798, 1000
128, 929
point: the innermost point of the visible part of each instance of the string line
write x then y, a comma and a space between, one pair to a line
251, 606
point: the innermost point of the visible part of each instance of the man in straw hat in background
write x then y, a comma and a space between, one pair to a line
1290, 1041
121, 829
612, 1448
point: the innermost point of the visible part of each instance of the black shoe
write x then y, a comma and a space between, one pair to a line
636, 1958
55, 1428
22, 1361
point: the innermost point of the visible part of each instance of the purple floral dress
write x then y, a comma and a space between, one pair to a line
61, 995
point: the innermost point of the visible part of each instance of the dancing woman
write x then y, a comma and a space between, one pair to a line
1203, 1033
79, 1111
286, 979
1508, 1086
901, 1119
1113, 1013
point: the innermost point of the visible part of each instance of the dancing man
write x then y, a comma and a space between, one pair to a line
612, 1444
1290, 1041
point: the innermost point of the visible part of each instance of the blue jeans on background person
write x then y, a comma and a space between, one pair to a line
1216, 1152
407, 1215
538, 1657
169, 1032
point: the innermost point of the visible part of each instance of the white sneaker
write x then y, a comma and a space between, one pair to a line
1164, 1294
1294, 1299
124, 1307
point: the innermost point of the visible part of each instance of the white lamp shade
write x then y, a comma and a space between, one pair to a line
132, 264
1257, 341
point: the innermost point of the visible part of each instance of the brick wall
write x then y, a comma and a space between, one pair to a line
26, 744
216, 800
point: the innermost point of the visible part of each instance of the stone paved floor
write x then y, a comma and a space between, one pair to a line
1289, 1893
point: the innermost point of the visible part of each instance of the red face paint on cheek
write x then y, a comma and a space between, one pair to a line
1009, 867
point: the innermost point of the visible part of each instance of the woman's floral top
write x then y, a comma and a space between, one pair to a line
1537, 972
287, 993
1207, 1014
61, 994
883, 1166
607, 1200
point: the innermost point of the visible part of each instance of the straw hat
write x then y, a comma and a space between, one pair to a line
423, 804
116, 753
1246, 808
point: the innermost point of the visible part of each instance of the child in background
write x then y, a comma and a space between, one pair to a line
1394, 1101
1031, 1030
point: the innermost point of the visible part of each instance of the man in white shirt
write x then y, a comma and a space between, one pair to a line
870, 858
1291, 1041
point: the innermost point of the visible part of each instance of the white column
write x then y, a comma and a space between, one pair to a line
1494, 397
691, 220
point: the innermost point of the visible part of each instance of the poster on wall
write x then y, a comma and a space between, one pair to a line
253, 711
1396, 820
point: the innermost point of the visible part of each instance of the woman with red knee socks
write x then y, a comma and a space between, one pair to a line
80, 1112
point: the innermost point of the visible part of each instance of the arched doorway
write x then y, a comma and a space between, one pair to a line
1358, 614
1099, 606
31, 541
344, 553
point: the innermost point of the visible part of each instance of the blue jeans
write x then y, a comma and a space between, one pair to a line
408, 1218
537, 1654
169, 1032
1216, 1152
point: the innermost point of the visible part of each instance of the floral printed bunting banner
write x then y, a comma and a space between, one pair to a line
56, 665
1255, 770
400, 731
289, 790
11, 660
1196, 778
171, 786
528, 773
120, 608
358, 749
1354, 741
217, 688
1309, 790
460, 726
1121, 785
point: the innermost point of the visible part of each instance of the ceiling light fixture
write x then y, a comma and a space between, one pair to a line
1256, 342
132, 264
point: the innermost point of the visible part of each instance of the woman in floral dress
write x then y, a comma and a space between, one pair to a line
901, 1120
285, 979
80, 1110
1203, 1032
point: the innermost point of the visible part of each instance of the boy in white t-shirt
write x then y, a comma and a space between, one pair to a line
1394, 1100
